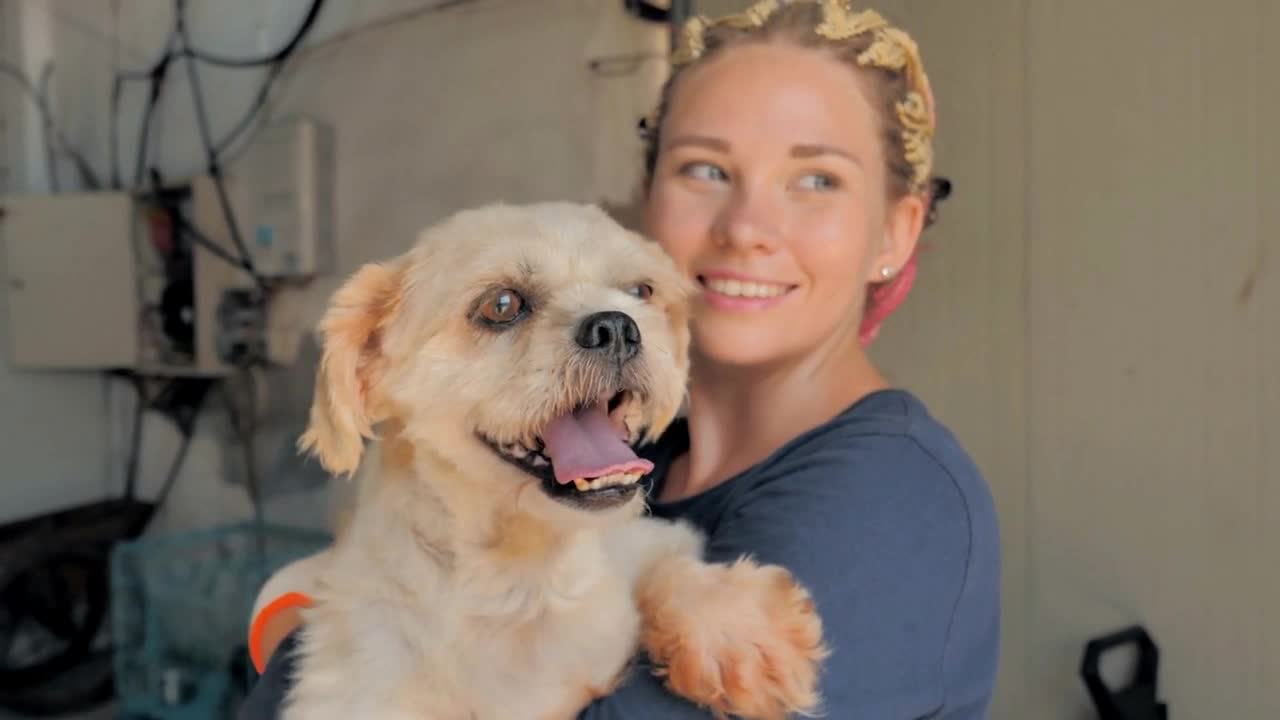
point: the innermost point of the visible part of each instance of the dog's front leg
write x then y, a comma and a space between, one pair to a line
742, 639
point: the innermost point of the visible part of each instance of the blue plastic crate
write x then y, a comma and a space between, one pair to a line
180, 608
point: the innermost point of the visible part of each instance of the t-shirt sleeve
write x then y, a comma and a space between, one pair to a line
880, 533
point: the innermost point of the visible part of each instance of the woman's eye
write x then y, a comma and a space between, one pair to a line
644, 291
819, 181
704, 171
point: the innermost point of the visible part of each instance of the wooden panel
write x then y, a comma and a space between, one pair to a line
1146, 451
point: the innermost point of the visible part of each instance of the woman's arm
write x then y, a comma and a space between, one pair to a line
267, 695
901, 557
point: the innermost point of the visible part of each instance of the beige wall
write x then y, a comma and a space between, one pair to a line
1154, 342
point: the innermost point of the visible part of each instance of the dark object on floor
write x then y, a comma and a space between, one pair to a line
1139, 699
53, 606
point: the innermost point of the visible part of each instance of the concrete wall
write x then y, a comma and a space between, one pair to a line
54, 435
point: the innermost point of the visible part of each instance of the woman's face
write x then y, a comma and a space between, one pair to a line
770, 191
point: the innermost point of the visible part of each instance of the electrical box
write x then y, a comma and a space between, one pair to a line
103, 280
285, 185
71, 281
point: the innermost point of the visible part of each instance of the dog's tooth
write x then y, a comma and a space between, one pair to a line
539, 461
623, 478
582, 484
608, 481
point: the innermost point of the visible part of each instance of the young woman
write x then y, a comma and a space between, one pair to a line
789, 171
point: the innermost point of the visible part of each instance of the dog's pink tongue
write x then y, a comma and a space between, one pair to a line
586, 445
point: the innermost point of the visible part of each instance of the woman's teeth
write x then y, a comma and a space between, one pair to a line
739, 288
583, 484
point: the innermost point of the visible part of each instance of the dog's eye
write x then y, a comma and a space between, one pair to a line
501, 306
644, 291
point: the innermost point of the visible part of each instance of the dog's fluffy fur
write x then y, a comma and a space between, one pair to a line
462, 588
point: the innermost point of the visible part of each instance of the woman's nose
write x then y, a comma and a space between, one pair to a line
750, 220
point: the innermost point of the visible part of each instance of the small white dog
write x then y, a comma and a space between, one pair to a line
498, 565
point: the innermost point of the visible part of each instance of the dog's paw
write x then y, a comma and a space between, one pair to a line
741, 639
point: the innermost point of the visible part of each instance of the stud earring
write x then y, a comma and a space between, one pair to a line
886, 272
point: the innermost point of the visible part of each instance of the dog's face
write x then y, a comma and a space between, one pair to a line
525, 346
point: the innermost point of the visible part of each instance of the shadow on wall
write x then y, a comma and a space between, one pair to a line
282, 397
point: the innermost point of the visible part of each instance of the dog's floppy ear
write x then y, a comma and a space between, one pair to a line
345, 409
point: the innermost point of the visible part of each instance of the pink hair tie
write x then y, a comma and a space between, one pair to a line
883, 298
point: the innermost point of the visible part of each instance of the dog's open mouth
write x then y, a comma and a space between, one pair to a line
583, 457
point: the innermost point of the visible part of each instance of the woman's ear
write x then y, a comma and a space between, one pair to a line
903, 224
352, 361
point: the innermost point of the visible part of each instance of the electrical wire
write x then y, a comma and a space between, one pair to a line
175, 467
271, 59
244, 424
50, 155
87, 175
135, 439
211, 154
113, 125
259, 102
178, 46
191, 232
156, 77
181, 400
403, 16
214, 149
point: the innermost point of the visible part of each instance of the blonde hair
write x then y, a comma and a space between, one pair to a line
886, 56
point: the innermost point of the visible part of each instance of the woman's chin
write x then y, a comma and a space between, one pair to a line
728, 342
721, 345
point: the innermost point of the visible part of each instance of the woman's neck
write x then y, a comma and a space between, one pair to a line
739, 416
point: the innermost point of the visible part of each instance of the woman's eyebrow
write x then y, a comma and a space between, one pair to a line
808, 151
699, 141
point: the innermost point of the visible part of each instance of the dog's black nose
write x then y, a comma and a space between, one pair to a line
613, 334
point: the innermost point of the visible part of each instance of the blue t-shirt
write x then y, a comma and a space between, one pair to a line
892, 528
